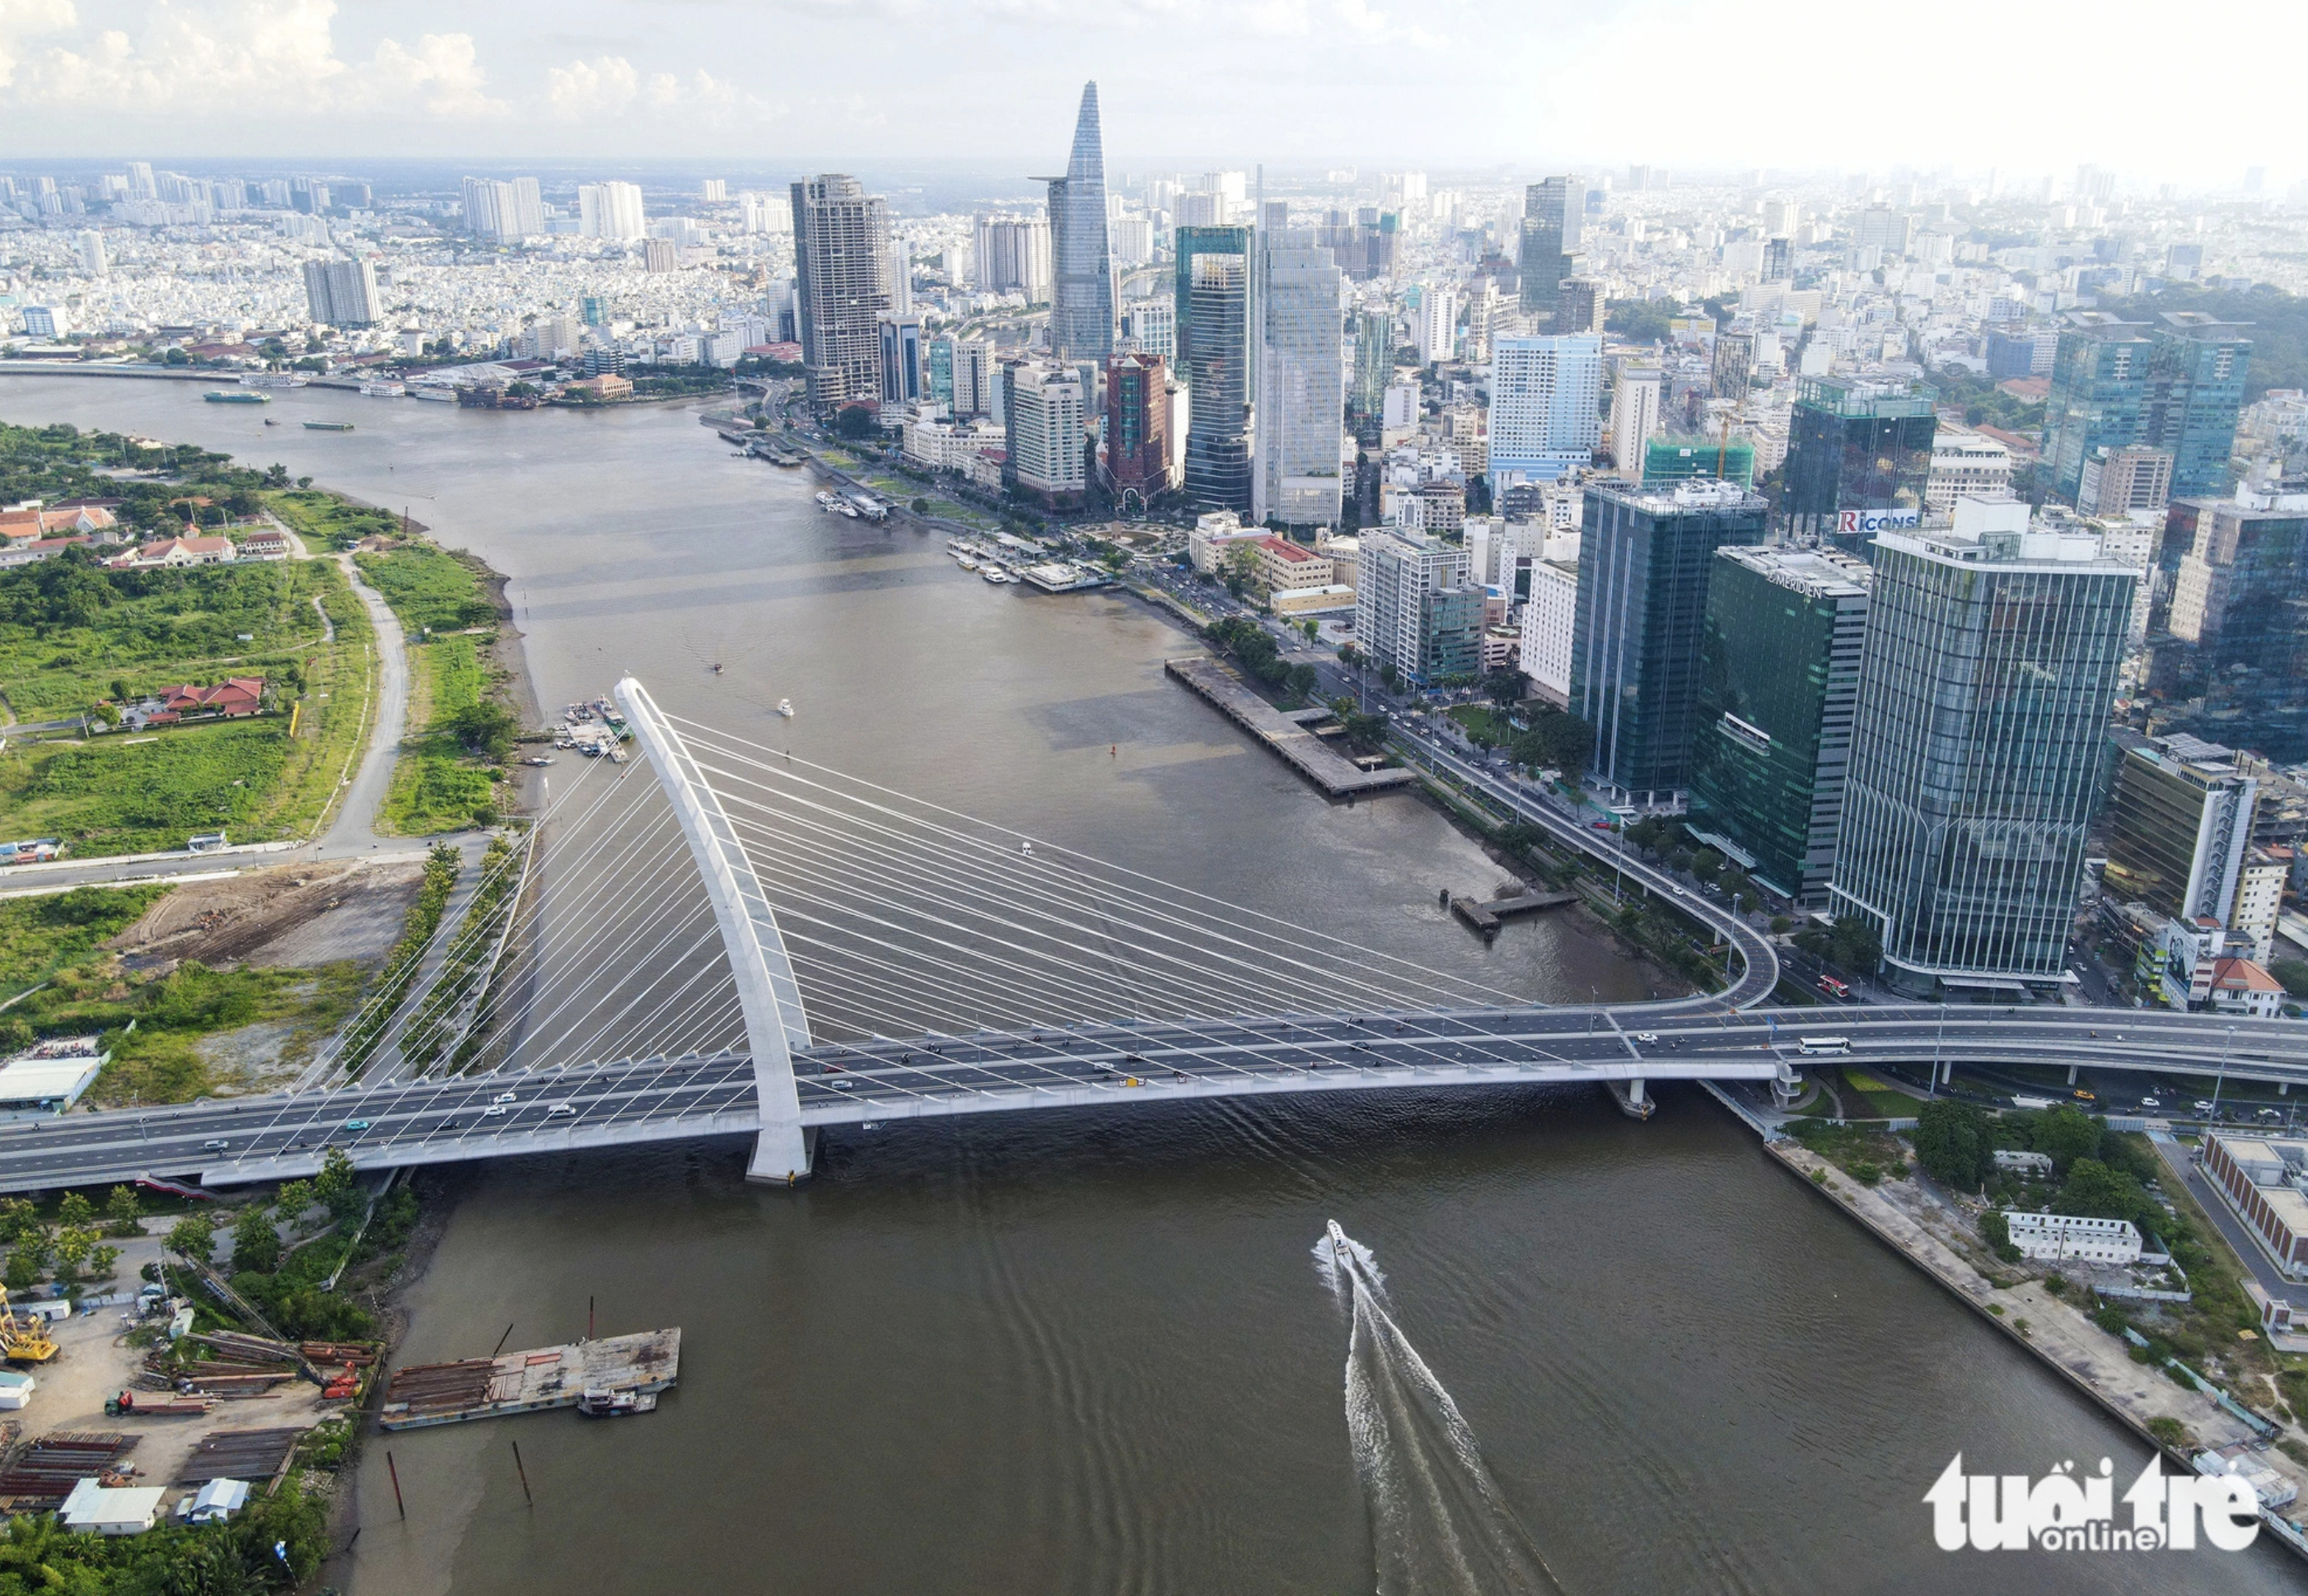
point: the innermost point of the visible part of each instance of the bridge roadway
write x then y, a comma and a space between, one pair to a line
407, 1123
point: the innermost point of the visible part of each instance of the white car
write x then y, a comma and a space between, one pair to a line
504, 1097
1647, 1038
2203, 1107
496, 1110
561, 1111
2150, 1102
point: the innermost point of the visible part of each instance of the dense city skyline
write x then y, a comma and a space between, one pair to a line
1284, 80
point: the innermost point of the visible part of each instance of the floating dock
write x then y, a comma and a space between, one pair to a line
641, 1364
1338, 776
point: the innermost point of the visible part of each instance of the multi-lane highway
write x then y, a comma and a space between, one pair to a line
650, 1100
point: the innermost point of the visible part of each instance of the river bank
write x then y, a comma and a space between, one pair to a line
2179, 1421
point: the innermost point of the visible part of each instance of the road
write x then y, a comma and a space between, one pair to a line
617, 1104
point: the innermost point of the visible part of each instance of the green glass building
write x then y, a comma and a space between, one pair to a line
1645, 554
1859, 454
1679, 459
1978, 750
2178, 386
1778, 678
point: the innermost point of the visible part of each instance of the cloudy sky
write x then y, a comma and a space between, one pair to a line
1809, 84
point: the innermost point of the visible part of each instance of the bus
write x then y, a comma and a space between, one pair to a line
1814, 1046
1833, 988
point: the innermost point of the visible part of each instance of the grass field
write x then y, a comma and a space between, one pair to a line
327, 521
1882, 1100
119, 794
428, 588
438, 784
40, 936
1482, 723
71, 637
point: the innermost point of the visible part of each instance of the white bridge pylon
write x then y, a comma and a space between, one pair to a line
769, 997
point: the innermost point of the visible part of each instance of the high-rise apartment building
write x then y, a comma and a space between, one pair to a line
1013, 256
1137, 429
1859, 459
341, 293
1301, 386
841, 267
1554, 212
1778, 678
1042, 429
1081, 303
501, 212
1546, 402
2177, 386
610, 210
1634, 416
1214, 334
976, 376
1733, 365
1978, 747
90, 246
1414, 608
1644, 559
1434, 323
2178, 826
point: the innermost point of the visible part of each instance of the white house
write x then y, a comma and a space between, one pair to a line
93, 1509
2056, 1238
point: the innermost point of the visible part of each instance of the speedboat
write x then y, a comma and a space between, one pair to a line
785, 709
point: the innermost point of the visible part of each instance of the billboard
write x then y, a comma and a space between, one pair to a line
1850, 522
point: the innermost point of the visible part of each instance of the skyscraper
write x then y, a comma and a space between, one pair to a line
1191, 241
341, 293
2179, 824
1644, 558
91, 254
1778, 674
841, 267
901, 359
1551, 214
1013, 256
2237, 649
1301, 397
1859, 459
1634, 416
1978, 747
1137, 435
1546, 402
1215, 336
1042, 429
1414, 608
2176, 387
1373, 369
1082, 303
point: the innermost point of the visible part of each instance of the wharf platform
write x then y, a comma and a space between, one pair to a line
1483, 917
530, 1382
1336, 774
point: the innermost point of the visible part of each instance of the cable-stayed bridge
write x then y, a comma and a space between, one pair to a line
736, 941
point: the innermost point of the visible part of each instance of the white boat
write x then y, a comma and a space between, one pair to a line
967, 563
847, 509
823, 497
995, 573
785, 709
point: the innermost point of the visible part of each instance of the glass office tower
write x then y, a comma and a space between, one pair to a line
1979, 748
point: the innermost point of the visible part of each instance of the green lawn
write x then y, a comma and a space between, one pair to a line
1482, 723
70, 634
40, 936
1882, 1100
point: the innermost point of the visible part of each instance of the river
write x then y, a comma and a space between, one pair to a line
1095, 1351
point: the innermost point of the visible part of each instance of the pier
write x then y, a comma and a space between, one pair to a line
1338, 776
1485, 916
424, 1394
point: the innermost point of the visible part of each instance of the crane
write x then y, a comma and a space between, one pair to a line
23, 1336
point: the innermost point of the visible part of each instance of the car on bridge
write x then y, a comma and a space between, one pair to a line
356, 1126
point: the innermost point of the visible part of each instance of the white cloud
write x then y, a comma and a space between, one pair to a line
22, 21
248, 57
588, 91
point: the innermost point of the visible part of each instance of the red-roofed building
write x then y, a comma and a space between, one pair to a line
38, 550
1283, 564
2239, 986
266, 542
181, 551
231, 697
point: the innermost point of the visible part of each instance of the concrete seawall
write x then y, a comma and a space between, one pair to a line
1336, 774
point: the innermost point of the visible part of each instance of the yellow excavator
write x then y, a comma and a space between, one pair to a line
23, 1336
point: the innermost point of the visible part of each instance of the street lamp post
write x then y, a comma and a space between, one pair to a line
2227, 1041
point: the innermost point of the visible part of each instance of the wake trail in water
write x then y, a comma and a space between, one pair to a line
1439, 1525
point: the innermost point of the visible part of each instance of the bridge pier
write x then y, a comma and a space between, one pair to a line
2071, 1075
1630, 1099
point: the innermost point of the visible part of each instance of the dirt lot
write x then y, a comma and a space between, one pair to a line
294, 916
94, 1361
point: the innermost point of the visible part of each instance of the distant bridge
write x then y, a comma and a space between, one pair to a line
956, 968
